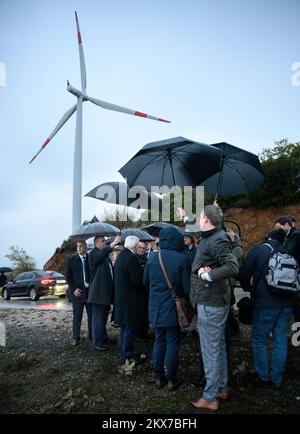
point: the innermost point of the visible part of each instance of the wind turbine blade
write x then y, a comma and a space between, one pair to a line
117, 108
63, 120
81, 57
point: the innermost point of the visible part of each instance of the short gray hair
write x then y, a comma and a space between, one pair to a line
214, 214
131, 241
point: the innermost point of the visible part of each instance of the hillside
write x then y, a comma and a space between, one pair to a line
254, 224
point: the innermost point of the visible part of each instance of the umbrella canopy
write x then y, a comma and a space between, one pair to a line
142, 235
177, 161
5, 270
240, 172
297, 179
155, 228
93, 229
119, 193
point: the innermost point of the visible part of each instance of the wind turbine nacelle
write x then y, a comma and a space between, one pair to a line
75, 91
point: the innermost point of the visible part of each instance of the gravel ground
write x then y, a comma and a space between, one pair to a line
40, 372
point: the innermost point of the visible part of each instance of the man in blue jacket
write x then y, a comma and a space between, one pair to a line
271, 313
162, 308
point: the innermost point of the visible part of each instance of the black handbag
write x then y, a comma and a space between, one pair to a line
185, 310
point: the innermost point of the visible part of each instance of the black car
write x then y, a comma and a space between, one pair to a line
35, 284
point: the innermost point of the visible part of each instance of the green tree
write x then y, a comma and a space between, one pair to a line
20, 260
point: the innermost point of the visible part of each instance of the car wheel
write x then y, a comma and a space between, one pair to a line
33, 294
5, 294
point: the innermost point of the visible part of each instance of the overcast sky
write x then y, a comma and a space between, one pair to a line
220, 70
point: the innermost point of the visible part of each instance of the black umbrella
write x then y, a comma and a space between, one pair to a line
297, 179
93, 229
155, 228
142, 235
170, 162
240, 172
121, 194
5, 270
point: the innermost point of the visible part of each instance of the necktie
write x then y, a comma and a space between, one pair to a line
86, 269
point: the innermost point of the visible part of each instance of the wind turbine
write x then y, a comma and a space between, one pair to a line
81, 97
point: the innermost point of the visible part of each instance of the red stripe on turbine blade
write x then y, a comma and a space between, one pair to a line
143, 115
164, 120
32, 159
45, 144
79, 38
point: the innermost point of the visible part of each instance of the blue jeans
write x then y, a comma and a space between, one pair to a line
166, 346
127, 338
78, 308
99, 319
266, 321
211, 326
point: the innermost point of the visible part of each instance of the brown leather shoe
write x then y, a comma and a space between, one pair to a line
223, 396
202, 404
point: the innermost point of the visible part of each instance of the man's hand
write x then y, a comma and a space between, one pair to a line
181, 213
202, 273
77, 292
116, 241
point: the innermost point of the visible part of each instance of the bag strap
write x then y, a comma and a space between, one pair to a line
170, 286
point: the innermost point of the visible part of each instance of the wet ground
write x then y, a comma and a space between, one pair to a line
44, 303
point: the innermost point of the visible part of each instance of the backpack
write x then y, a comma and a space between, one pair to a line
283, 273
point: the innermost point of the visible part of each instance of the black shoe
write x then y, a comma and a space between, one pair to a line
75, 342
101, 348
110, 342
173, 385
257, 381
160, 382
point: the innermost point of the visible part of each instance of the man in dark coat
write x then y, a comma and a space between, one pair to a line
101, 292
78, 278
130, 298
271, 313
214, 264
162, 308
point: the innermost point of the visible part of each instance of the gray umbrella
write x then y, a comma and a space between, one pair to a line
121, 194
142, 235
93, 229
5, 270
297, 179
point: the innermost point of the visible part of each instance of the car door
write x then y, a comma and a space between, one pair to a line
17, 288
28, 282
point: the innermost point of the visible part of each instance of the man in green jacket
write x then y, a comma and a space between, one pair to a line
214, 264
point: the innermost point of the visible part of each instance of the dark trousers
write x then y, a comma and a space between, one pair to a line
166, 348
127, 338
99, 320
78, 308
